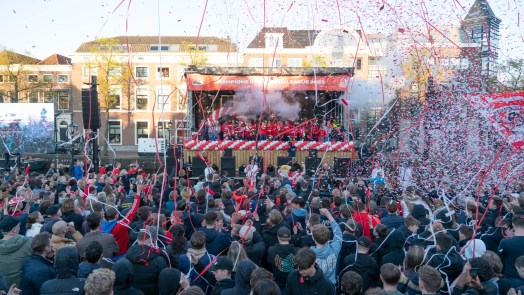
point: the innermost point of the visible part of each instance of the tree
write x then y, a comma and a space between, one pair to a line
197, 56
21, 73
511, 75
316, 61
112, 76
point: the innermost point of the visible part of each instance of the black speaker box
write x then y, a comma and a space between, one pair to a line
198, 166
228, 164
283, 161
341, 167
241, 170
90, 109
313, 153
228, 152
312, 163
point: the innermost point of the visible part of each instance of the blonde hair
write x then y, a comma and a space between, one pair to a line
100, 282
236, 253
275, 217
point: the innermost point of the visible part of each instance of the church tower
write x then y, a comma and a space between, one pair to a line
480, 28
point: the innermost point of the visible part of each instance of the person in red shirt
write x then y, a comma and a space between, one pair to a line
119, 228
367, 220
262, 131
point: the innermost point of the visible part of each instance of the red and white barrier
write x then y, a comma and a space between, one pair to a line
267, 145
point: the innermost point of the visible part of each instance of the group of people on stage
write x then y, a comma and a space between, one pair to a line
308, 130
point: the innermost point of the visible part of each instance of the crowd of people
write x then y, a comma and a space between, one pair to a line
306, 130
123, 231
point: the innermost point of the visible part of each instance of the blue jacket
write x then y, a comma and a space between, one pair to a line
216, 241
327, 257
392, 221
36, 271
78, 172
297, 216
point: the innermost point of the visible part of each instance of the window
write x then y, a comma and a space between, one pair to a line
115, 132
142, 72
1, 78
256, 62
32, 78
89, 71
359, 64
63, 99
63, 78
375, 69
114, 98
181, 131
294, 62
142, 130
476, 34
114, 72
273, 41
142, 98
11, 78
163, 99
12, 97
181, 102
276, 63
163, 127
159, 47
48, 78
49, 96
162, 72
32, 97
1, 96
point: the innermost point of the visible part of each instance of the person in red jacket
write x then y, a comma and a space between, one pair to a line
119, 228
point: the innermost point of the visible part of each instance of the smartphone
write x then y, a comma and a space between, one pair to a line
473, 273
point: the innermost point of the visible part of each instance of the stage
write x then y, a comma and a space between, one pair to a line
269, 150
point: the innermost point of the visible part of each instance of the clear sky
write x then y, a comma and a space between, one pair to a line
42, 27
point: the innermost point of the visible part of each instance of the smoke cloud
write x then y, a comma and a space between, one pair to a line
250, 102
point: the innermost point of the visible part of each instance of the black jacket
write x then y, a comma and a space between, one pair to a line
395, 252
281, 259
35, 272
66, 282
392, 220
270, 234
147, 265
349, 246
48, 224
242, 276
364, 265
256, 249
74, 217
318, 284
123, 274
450, 263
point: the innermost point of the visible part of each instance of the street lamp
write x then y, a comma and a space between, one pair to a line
72, 128
169, 128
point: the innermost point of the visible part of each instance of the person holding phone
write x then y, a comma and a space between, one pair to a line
477, 277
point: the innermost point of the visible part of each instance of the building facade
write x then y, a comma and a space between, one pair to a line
141, 87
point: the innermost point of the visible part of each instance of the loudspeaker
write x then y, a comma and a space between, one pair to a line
228, 164
198, 166
174, 152
341, 167
312, 164
241, 170
283, 161
90, 109
228, 152
313, 153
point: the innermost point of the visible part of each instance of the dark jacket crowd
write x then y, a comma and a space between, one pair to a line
127, 232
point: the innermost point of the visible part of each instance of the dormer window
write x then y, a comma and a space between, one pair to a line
274, 41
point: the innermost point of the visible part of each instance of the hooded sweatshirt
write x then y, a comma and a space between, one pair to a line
13, 252
318, 284
281, 259
327, 256
395, 252
123, 274
216, 241
169, 281
147, 265
242, 277
66, 282
297, 216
